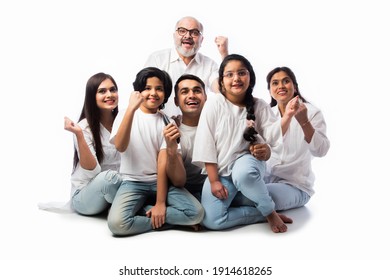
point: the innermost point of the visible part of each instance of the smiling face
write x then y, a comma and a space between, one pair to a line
153, 95
188, 45
236, 79
281, 88
190, 98
107, 96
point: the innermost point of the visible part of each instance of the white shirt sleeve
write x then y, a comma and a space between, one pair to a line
204, 144
89, 174
319, 144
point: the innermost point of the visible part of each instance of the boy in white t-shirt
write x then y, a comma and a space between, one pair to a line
146, 172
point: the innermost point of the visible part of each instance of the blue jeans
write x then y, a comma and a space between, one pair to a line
98, 195
246, 177
284, 195
125, 219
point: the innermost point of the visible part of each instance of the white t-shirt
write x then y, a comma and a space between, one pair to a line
170, 61
139, 161
111, 160
296, 155
219, 137
187, 138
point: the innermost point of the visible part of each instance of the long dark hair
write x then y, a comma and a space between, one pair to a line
291, 75
91, 112
140, 81
250, 131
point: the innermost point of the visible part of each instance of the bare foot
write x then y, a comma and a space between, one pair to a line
277, 222
285, 219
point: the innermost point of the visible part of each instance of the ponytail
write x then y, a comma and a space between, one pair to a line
250, 132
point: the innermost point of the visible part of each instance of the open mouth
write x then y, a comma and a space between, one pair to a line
187, 42
239, 85
192, 103
110, 101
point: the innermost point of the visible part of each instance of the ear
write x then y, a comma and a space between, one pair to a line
176, 101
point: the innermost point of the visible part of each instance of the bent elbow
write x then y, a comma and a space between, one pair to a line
322, 151
120, 149
179, 183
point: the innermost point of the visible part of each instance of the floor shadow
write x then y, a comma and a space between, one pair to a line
300, 217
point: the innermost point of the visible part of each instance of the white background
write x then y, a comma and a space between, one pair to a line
339, 51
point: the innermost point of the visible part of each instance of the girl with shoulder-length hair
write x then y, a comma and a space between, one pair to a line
95, 179
230, 123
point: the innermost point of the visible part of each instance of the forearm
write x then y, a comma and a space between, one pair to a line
122, 138
216, 186
175, 168
86, 158
162, 180
162, 191
285, 123
212, 172
308, 131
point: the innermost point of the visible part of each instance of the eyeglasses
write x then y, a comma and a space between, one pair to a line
193, 32
240, 73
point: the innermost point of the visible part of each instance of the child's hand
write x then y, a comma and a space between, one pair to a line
219, 190
135, 100
171, 134
260, 151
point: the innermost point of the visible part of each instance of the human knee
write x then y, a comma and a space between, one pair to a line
117, 226
213, 221
247, 178
112, 177
193, 212
198, 215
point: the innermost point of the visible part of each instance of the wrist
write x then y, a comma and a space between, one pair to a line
287, 117
79, 134
304, 123
172, 152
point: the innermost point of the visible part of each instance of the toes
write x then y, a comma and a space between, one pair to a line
275, 229
279, 228
286, 219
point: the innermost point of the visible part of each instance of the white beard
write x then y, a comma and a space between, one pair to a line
186, 53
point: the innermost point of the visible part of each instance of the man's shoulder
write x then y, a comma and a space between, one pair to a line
160, 58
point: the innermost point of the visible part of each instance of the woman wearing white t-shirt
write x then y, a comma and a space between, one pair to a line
95, 179
229, 123
290, 177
